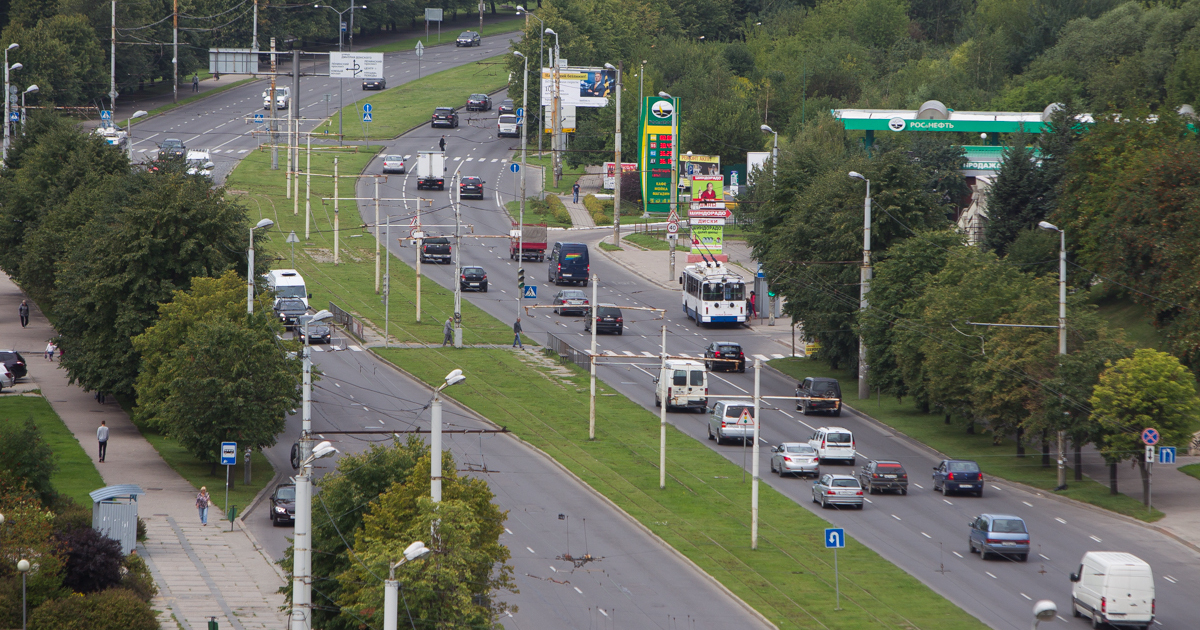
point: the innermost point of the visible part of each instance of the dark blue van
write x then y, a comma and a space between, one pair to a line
569, 264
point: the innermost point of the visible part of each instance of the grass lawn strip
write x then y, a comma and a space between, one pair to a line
999, 460
647, 241
1191, 469
398, 109
75, 475
704, 512
449, 34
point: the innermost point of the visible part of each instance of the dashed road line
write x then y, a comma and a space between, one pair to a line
1060, 520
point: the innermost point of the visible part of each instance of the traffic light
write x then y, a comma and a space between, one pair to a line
521, 278
771, 293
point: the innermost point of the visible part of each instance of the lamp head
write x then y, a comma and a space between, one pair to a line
12, 46
1045, 610
550, 31
23, 566
1045, 225
321, 315
264, 223
31, 89
610, 66
766, 129
519, 54
1, 519
454, 378
857, 175
16, 66
520, 9
138, 114
665, 95
324, 449
416, 550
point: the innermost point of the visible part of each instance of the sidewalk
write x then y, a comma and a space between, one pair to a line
201, 572
589, 184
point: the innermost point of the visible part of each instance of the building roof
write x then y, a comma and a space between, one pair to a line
130, 490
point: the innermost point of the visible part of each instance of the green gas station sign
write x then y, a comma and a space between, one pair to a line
656, 156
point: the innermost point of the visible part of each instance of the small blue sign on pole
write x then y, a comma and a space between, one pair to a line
258, 118
514, 167
228, 453
14, 116
531, 291
106, 114
366, 116
367, 107
520, 112
1166, 454
835, 538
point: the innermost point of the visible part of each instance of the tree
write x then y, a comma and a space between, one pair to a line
113, 609
1017, 200
63, 56
1149, 389
93, 560
24, 455
28, 526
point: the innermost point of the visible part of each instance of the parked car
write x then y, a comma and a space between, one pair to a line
957, 475
289, 310
725, 350
730, 420
436, 249
1114, 587
833, 443
473, 278
393, 164
14, 362
819, 395
506, 107
833, 489
444, 117
283, 504
795, 458
479, 103
470, 187
999, 534
374, 84
318, 332
571, 301
608, 319
468, 38
883, 475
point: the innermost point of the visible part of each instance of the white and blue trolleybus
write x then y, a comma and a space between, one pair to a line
713, 294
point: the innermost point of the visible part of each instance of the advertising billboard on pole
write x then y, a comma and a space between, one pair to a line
610, 173
656, 153
690, 165
706, 216
580, 87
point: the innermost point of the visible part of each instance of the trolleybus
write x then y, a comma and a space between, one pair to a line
712, 294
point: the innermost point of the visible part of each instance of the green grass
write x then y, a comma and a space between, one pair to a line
704, 512
193, 97
398, 109
609, 247
952, 440
569, 177
76, 475
536, 212
652, 241
450, 33
1135, 319
1191, 469
351, 284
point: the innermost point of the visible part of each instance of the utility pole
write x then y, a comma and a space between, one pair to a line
112, 65
458, 335
618, 170
754, 456
337, 224
662, 416
420, 240
594, 311
175, 52
254, 39
274, 123
377, 241
294, 121
307, 186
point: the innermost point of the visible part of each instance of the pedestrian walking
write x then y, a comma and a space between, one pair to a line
442, 144
50, 348
23, 311
102, 437
195, 83
517, 334
753, 305
575, 189
216, 75
202, 502
447, 331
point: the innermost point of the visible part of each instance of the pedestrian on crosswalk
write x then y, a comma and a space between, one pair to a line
447, 331
517, 334
442, 144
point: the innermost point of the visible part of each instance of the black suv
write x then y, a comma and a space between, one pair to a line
506, 107
473, 278
819, 395
289, 311
15, 362
471, 187
479, 103
283, 504
724, 350
444, 117
883, 475
468, 38
172, 148
608, 319
435, 249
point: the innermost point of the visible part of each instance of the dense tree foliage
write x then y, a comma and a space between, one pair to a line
25, 455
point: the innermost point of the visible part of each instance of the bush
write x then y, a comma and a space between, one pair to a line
114, 609
137, 579
556, 209
93, 560
25, 454
601, 211
68, 514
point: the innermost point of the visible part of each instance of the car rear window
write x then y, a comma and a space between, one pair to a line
964, 467
471, 181
508, 119
890, 465
697, 378
845, 483
729, 348
1008, 526
607, 311
574, 294
735, 411
680, 377
472, 269
393, 158
827, 388
798, 448
437, 240
838, 438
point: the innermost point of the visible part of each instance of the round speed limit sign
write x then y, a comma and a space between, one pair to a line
672, 227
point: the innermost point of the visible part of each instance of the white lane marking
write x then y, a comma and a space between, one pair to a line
317, 349
1027, 503
338, 384
553, 569
623, 351
495, 159
761, 357
927, 535
989, 573
1095, 539
243, 150
956, 553
997, 488
947, 502
919, 486
776, 356
508, 530
1170, 579
356, 348
1044, 557
602, 612
647, 354
682, 354
1026, 597
868, 501
728, 382
531, 550
578, 591
896, 517
786, 413
1060, 520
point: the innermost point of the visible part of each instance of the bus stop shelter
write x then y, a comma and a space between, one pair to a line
115, 514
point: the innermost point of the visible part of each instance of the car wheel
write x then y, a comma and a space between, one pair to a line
983, 554
970, 545
485, 288
980, 493
945, 490
1023, 557
621, 331
824, 504
837, 413
742, 369
708, 365
852, 460
904, 491
814, 497
772, 465
1096, 623
1075, 608
710, 435
658, 403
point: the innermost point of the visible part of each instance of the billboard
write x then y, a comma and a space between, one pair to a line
755, 160
355, 65
610, 180
580, 87
567, 122
690, 165
707, 192
656, 153
706, 240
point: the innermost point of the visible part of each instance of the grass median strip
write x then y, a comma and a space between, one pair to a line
704, 511
995, 459
75, 474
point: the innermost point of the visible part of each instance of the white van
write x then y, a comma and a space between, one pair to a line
833, 443
287, 283
683, 384
1115, 588
506, 125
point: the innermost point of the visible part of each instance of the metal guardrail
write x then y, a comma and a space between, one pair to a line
347, 321
565, 351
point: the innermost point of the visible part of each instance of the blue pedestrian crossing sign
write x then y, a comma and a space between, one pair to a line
514, 167
228, 453
258, 118
835, 538
14, 116
366, 116
106, 114
531, 291
367, 107
1166, 454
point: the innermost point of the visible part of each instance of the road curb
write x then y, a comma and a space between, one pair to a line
240, 521
636, 523
634, 270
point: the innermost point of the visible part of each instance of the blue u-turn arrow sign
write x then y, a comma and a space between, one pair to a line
835, 538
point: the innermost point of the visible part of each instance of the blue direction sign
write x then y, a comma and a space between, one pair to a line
367, 107
106, 114
1150, 436
835, 538
258, 118
366, 116
531, 291
228, 453
520, 112
514, 167
1166, 454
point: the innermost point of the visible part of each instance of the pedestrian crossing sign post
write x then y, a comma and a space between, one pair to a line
106, 114
258, 118
228, 459
366, 117
530, 292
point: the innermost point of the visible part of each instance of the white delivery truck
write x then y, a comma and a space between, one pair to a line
1113, 588
431, 170
287, 283
283, 97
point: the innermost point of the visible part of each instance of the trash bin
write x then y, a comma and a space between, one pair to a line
212, 624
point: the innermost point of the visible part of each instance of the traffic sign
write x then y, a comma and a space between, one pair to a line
228, 453
531, 291
14, 116
1150, 436
366, 116
520, 112
745, 417
258, 118
367, 107
420, 49
835, 538
1149, 454
106, 114
673, 227
514, 167
1166, 454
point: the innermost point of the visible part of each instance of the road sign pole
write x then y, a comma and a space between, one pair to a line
227, 467
837, 584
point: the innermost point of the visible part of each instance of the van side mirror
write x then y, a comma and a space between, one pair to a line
310, 296
1074, 577
681, 280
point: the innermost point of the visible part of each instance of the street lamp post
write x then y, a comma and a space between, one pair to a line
521, 214
302, 540
391, 586
774, 150
1044, 610
129, 131
674, 169
556, 134
435, 436
541, 64
617, 169
7, 103
1062, 335
23, 567
265, 223
33, 89
864, 390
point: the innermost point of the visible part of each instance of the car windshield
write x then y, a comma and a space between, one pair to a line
286, 494
1008, 526
964, 467
290, 305
837, 437
171, 143
845, 483
292, 291
799, 448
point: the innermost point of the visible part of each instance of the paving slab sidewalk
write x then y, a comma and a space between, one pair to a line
201, 571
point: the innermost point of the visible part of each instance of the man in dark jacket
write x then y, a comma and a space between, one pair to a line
517, 334
23, 311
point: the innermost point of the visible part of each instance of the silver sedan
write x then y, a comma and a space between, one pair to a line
837, 490
795, 458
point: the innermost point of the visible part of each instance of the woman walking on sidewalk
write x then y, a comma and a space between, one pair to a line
202, 501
